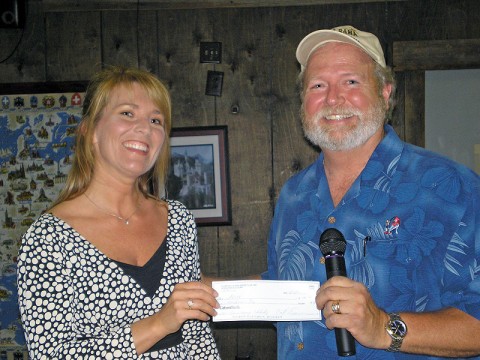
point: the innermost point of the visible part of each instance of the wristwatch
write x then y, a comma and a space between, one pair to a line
397, 329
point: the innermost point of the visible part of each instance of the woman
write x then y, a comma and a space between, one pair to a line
110, 271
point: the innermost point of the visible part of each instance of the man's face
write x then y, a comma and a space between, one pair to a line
343, 106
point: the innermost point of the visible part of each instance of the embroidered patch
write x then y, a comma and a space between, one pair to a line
392, 225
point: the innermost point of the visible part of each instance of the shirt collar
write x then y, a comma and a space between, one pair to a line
387, 150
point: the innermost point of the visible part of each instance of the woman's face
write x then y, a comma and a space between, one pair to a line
129, 136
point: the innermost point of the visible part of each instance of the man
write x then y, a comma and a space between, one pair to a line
410, 219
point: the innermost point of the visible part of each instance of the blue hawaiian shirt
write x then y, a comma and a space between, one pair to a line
417, 214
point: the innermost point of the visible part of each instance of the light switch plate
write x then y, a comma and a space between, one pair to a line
211, 52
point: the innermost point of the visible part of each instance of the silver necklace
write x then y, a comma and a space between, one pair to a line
125, 220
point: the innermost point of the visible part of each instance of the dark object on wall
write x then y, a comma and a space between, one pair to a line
214, 83
12, 13
211, 52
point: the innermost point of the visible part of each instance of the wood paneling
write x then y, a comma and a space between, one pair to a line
246, 85
119, 42
82, 5
291, 152
147, 41
73, 45
414, 111
22, 51
436, 54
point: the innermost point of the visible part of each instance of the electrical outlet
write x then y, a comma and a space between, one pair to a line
211, 52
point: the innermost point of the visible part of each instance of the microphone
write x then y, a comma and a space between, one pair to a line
332, 245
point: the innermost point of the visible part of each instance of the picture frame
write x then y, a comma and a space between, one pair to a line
199, 173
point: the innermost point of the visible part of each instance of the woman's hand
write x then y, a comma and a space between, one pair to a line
191, 300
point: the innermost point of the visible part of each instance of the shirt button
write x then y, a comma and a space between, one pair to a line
332, 220
300, 346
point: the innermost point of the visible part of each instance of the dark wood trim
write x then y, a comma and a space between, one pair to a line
415, 107
93, 5
43, 87
410, 61
436, 55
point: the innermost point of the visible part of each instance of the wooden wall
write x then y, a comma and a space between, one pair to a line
266, 145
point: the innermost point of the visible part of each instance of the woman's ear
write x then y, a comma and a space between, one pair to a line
82, 129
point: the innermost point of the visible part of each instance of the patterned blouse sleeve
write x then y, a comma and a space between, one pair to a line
45, 295
197, 334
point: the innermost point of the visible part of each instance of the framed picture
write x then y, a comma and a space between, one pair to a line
199, 175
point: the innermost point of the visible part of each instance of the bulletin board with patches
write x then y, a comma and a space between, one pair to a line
37, 134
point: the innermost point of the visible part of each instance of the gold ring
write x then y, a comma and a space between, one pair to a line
190, 304
336, 307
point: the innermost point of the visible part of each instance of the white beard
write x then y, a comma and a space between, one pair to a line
351, 137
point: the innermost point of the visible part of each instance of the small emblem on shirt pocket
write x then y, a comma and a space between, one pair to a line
392, 225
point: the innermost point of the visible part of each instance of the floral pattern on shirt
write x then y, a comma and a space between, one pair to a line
421, 214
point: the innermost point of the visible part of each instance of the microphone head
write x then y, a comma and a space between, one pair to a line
332, 242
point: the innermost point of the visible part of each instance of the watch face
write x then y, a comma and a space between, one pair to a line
398, 328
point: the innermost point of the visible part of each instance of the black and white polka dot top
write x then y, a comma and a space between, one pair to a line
76, 303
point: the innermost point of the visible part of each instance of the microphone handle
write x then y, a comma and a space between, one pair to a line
345, 342
335, 266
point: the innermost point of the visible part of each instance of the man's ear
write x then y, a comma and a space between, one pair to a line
386, 92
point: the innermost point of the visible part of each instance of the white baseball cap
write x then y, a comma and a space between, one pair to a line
345, 34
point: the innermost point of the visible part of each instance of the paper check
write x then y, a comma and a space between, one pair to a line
266, 300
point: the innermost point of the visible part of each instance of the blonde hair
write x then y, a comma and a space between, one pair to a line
97, 97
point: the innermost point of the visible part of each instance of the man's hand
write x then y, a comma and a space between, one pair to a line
357, 313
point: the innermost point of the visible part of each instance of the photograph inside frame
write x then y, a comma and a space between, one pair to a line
198, 175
